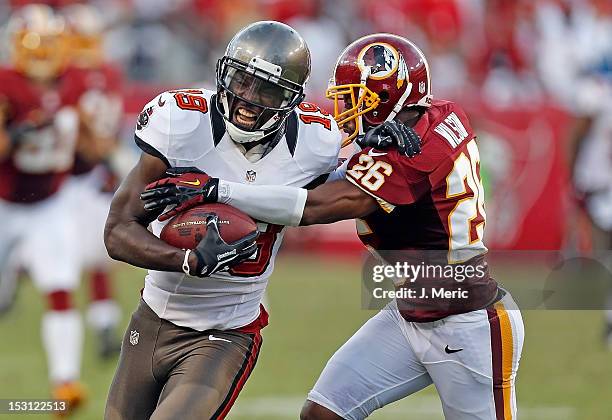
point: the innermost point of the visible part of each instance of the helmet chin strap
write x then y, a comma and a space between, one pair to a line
365, 73
396, 109
238, 134
242, 136
399, 105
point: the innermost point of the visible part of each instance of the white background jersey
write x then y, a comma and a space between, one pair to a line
184, 128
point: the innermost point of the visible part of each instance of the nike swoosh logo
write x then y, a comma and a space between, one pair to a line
212, 188
371, 152
160, 102
213, 338
450, 351
195, 183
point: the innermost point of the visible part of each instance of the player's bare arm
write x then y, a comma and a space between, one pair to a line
335, 201
126, 236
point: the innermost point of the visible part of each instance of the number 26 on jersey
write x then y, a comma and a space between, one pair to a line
370, 173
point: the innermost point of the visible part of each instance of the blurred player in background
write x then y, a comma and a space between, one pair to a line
575, 66
99, 105
592, 140
468, 347
38, 133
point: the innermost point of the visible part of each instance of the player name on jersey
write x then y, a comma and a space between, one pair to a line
452, 130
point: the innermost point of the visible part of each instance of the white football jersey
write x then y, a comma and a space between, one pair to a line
184, 128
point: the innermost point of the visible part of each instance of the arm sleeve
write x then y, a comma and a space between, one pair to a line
339, 172
275, 204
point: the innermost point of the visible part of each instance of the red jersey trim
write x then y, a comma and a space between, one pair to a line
258, 324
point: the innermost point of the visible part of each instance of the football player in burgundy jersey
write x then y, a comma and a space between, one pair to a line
100, 107
195, 337
425, 210
38, 135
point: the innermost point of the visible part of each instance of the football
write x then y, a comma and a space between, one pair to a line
186, 230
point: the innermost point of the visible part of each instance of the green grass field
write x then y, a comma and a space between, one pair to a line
314, 307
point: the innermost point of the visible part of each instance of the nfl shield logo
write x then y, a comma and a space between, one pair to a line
421, 87
250, 176
134, 337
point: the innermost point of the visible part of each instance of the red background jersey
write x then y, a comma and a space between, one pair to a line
107, 78
434, 201
42, 156
92, 88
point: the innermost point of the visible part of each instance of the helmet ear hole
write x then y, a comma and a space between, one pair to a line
384, 96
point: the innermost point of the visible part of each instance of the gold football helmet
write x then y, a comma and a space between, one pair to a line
38, 41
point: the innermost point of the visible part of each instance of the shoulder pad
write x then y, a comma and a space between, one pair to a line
318, 141
176, 125
446, 121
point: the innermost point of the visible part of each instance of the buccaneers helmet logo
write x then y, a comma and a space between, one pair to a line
250, 176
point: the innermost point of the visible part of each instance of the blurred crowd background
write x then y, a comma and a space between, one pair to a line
533, 75
510, 52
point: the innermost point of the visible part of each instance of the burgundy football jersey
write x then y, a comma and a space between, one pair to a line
433, 202
44, 132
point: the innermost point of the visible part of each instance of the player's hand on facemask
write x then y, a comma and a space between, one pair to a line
214, 254
183, 187
392, 134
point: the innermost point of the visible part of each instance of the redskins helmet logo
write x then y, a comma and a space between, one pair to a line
381, 58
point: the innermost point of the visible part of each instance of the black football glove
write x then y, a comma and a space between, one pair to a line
184, 187
214, 254
392, 134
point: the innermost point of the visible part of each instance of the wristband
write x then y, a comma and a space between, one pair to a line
186, 262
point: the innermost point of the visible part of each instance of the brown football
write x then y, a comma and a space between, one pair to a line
186, 230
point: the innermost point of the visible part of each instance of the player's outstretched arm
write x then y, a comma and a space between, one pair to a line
335, 201
126, 236
277, 204
328, 203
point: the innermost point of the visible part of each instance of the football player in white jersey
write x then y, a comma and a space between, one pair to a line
194, 339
